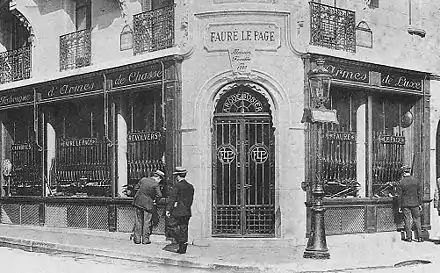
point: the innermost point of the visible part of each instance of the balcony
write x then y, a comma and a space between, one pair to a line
75, 50
332, 27
15, 65
153, 30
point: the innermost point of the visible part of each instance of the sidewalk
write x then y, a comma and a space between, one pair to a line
348, 253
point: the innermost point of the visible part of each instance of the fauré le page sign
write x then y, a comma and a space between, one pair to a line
261, 36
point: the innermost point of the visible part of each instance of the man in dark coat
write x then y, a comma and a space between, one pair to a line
147, 193
410, 203
178, 211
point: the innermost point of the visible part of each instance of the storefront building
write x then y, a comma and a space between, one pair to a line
251, 151
82, 122
68, 140
222, 88
382, 124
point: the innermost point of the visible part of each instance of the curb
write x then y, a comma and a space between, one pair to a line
46, 247
178, 261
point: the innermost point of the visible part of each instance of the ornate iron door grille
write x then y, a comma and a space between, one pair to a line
332, 27
153, 30
243, 176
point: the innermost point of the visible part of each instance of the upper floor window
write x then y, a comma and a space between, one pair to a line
148, 5
15, 47
83, 14
13, 34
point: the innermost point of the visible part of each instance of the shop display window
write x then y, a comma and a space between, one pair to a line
146, 135
362, 156
22, 154
80, 166
392, 141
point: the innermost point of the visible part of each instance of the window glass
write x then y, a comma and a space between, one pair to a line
339, 146
355, 145
146, 135
80, 166
24, 155
157, 4
392, 142
82, 12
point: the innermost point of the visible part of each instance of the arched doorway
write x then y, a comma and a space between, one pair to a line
243, 163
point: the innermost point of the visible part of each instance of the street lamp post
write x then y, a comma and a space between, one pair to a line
319, 84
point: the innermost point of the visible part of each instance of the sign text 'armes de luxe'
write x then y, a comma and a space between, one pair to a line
69, 87
404, 81
393, 79
346, 73
136, 75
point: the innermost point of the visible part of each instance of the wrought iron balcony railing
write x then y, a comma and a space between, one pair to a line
15, 65
75, 50
153, 30
332, 27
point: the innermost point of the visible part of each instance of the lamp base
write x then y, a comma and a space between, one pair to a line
317, 255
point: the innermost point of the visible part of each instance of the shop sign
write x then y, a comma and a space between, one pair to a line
21, 147
70, 87
401, 81
393, 79
17, 96
344, 136
390, 139
248, 98
78, 142
323, 115
138, 75
148, 136
355, 74
258, 35
241, 59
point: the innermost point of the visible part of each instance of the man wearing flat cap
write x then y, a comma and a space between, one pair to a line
410, 203
178, 211
147, 193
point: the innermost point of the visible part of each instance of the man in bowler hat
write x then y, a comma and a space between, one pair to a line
410, 203
147, 193
178, 211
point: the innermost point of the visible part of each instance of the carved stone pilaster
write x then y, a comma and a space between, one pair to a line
124, 8
184, 24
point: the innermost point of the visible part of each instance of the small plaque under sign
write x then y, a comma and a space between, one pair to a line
321, 115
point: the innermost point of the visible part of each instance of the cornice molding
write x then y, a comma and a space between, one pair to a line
220, 13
